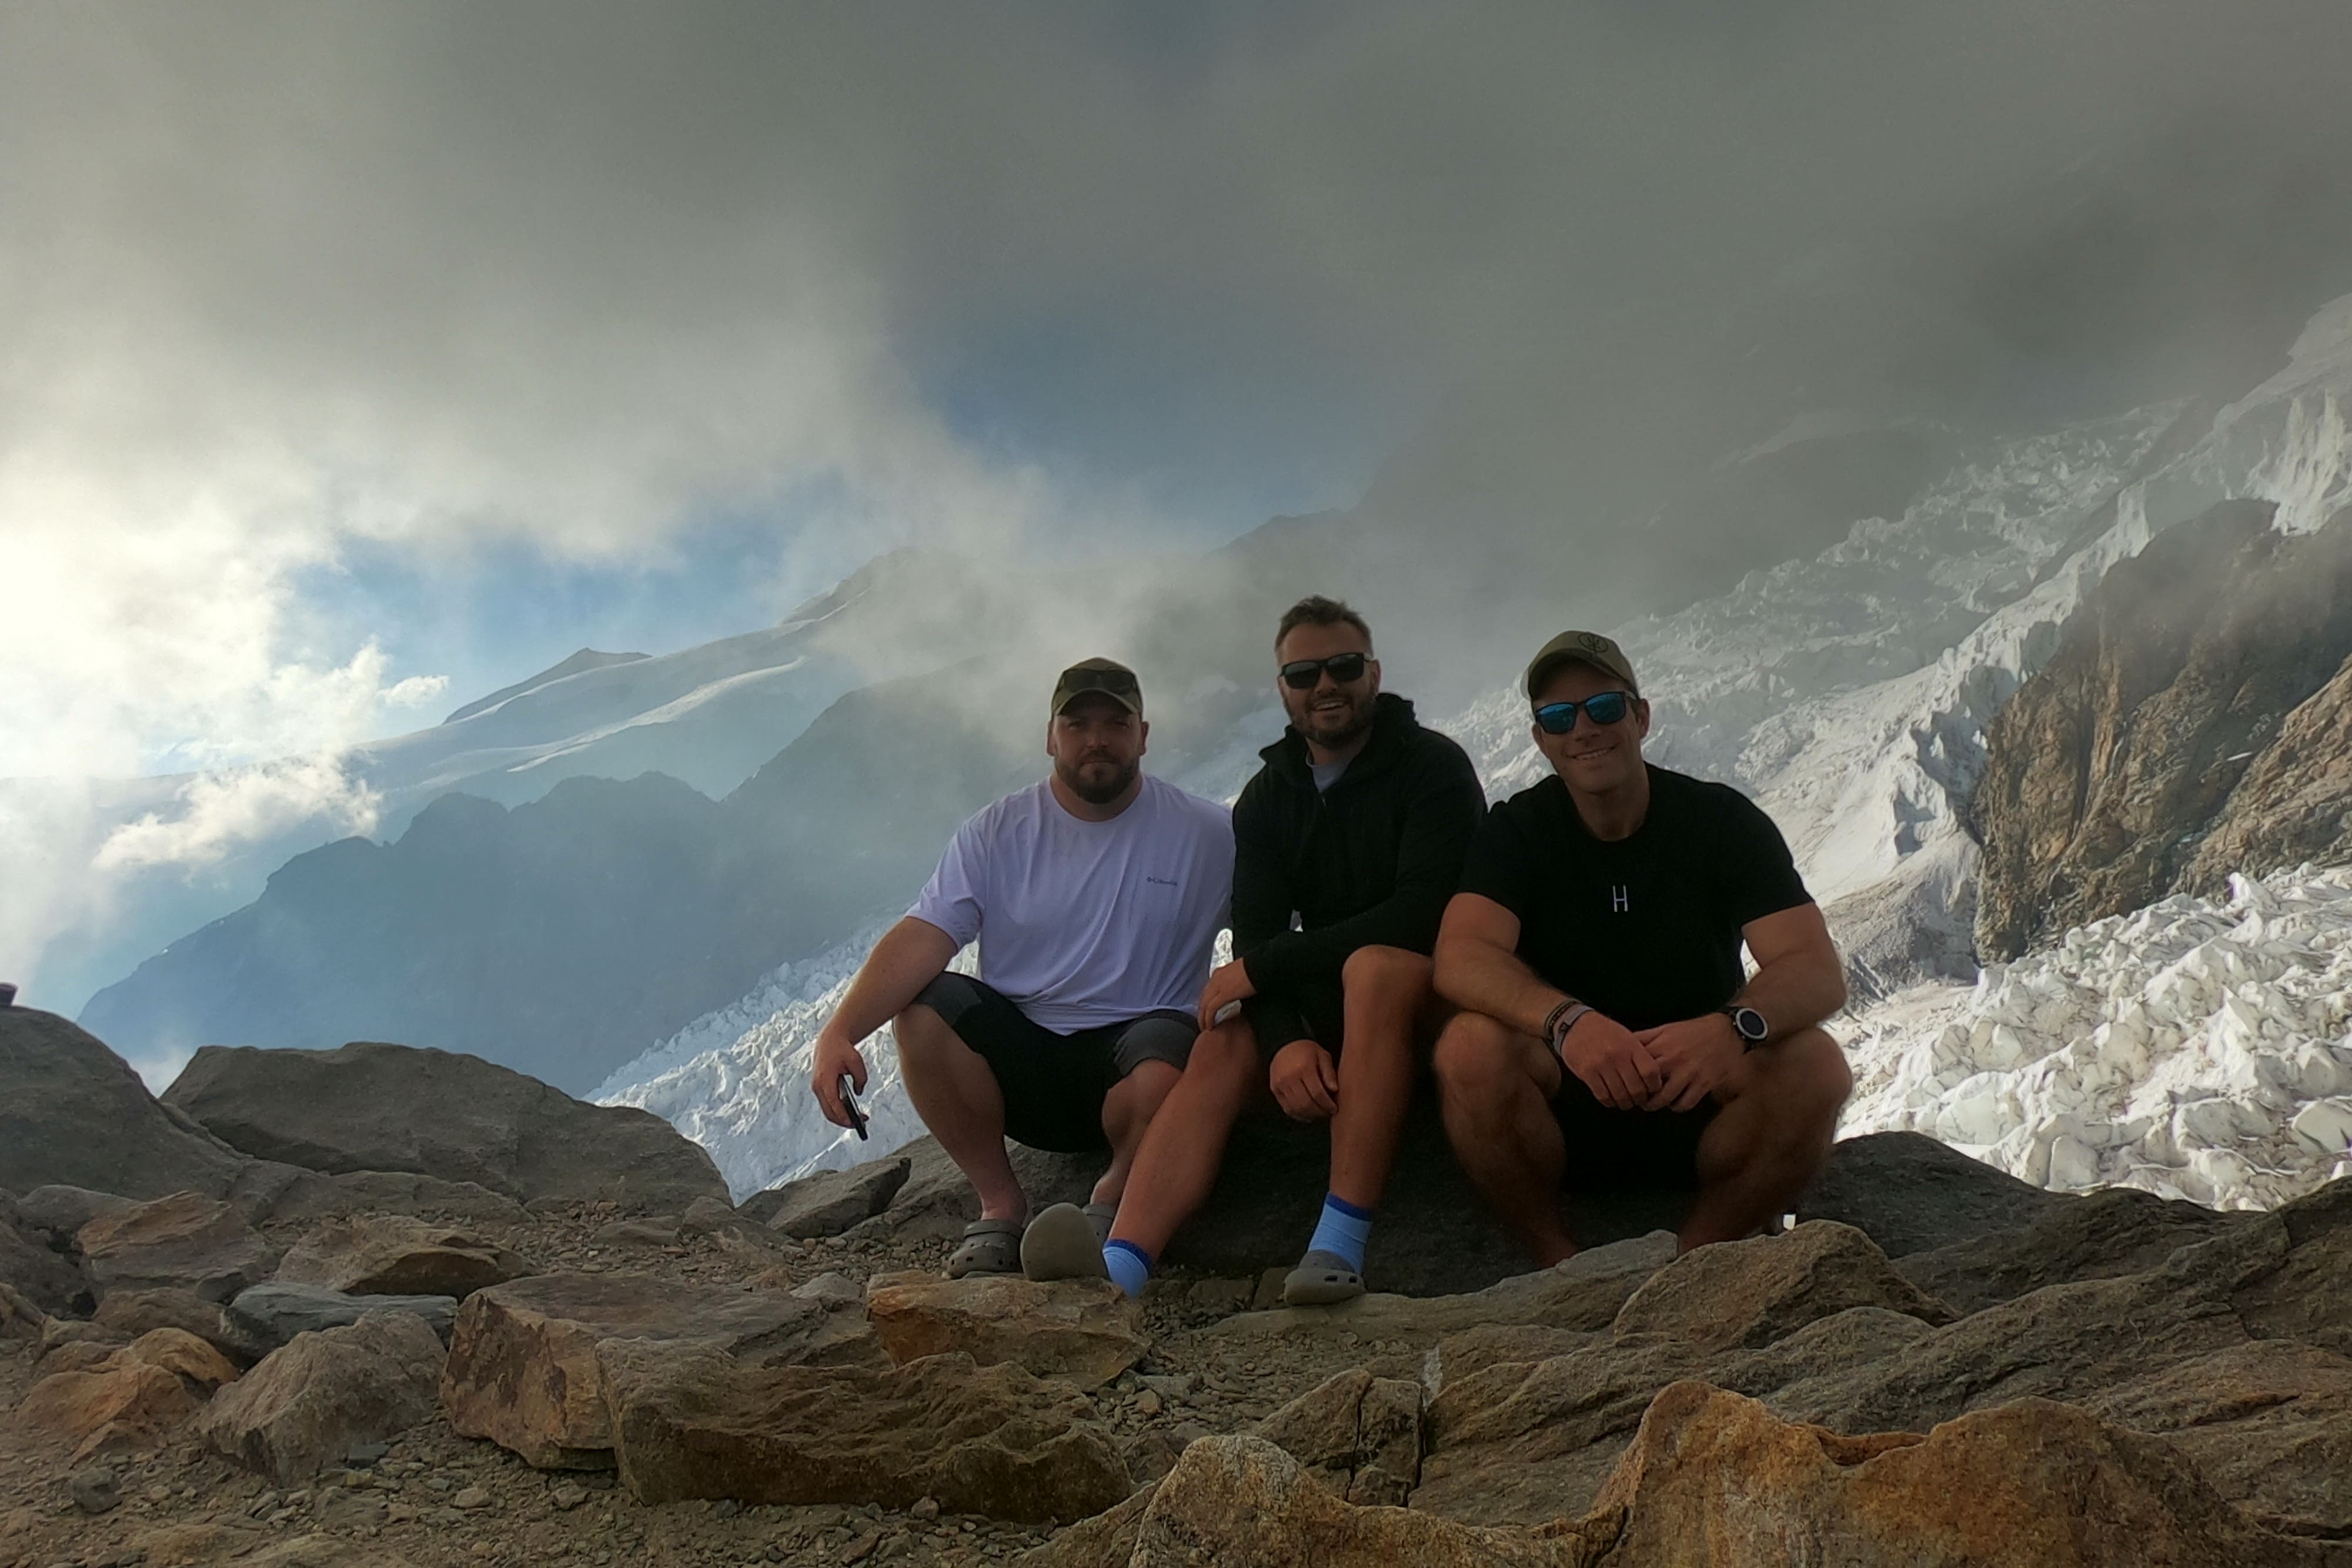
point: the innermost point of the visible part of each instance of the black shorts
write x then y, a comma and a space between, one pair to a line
1609, 1149
1054, 1084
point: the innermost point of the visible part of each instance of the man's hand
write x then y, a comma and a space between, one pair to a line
1305, 1082
835, 1054
1228, 984
1696, 1055
1612, 1062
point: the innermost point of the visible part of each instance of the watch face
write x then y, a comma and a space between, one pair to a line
1749, 1023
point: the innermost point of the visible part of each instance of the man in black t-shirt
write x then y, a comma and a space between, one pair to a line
1609, 1032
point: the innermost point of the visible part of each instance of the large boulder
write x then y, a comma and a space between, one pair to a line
308, 1404
396, 1256
373, 1107
59, 1210
693, 1422
73, 1111
1717, 1479
523, 1369
185, 1242
1084, 1331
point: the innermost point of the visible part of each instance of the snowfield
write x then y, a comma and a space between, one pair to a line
2189, 1048
2195, 1048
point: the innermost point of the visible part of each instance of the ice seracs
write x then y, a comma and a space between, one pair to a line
2197, 1047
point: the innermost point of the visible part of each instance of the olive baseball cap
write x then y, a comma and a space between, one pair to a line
1108, 676
1587, 648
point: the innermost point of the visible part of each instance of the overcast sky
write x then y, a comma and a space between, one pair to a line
363, 357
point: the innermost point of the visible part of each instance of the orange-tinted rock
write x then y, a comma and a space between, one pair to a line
184, 1241
1714, 1481
107, 1408
1084, 1331
308, 1402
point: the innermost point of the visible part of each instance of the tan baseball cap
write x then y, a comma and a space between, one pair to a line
1108, 676
1586, 647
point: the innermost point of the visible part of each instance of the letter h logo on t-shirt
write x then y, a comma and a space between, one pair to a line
1619, 900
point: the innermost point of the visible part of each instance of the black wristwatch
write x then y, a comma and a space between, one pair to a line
1749, 1023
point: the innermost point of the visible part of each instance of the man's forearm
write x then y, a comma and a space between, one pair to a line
1481, 977
1795, 993
909, 956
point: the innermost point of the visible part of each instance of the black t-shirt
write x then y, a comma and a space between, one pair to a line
1646, 929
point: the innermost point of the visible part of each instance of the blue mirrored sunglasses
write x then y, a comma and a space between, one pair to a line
1601, 707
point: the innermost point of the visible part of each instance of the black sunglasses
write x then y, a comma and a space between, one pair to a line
1601, 707
1300, 675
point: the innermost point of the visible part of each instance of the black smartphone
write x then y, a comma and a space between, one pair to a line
849, 1104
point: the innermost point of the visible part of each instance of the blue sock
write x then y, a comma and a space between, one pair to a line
1342, 1231
1129, 1265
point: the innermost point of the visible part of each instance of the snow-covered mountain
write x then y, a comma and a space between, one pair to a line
1849, 693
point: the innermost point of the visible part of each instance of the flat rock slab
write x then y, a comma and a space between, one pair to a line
269, 1314
1750, 1294
829, 1202
308, 1404
523, 1369
376, 1107
1084, 1331
1585, 1293
185, 1241
397, 1256
692, 1422
73, 1112
1715, 1477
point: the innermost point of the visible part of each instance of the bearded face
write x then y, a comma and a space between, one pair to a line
1098, 748
1331, 713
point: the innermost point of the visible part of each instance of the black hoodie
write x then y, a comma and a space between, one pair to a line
1371, 860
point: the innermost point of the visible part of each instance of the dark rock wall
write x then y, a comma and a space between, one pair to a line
2175, 684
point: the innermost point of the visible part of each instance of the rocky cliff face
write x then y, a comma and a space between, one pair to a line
2193, 723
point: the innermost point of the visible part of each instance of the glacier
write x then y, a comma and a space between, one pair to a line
1848, 692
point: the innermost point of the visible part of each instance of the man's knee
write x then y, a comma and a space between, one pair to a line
1805, 1077
1391, 973
920, 1028
1476, 1060
1225, 1054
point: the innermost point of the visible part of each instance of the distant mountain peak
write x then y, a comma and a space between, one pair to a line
585, 659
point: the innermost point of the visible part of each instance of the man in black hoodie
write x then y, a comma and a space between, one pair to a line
1355, 828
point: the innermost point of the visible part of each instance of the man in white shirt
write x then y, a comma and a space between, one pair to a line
1096, 896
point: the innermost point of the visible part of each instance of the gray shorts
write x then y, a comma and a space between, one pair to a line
1054, 1084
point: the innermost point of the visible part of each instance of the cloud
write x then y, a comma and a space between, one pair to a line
223, 809
282, 282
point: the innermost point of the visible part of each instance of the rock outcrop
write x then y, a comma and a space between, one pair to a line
693, 1422
373, 1107
523, 1368
829, 1202
73, 1111
2183, 671
310, 1403
268, 1315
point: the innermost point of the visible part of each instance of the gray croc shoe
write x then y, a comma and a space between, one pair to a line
990, 1247
1321, 1280
1101, 1216
1061, 1244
